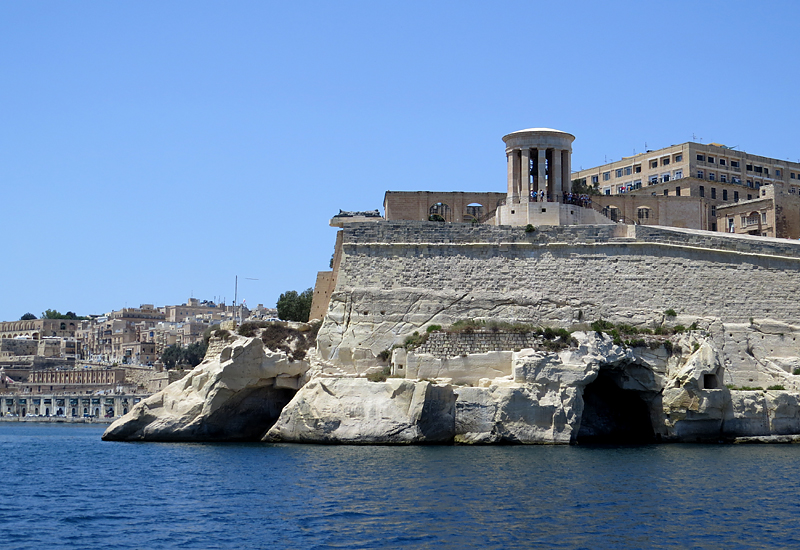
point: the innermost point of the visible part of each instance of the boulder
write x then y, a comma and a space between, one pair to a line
235, 394
356, 410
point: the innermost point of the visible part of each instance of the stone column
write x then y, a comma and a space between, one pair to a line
555, 173
540, 171
510, 161
525, 174
566, 167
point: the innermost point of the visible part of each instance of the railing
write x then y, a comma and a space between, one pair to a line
619, 218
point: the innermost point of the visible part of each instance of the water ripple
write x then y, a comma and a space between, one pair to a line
64, 488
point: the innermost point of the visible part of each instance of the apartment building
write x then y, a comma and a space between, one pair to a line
774, 212
713, 173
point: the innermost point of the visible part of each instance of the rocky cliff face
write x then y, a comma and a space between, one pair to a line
236, 393
697, 388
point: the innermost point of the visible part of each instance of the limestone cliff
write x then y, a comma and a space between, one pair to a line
731, 375
236, 393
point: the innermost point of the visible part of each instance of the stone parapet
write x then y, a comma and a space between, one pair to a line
443, 344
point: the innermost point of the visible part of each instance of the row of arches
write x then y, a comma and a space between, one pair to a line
442, 212
644, 214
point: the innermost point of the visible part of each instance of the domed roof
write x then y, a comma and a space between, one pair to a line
531, 132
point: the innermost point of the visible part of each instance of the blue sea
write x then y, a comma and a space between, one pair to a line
62, 487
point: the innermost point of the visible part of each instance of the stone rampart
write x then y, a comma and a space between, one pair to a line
397, 277
695, 273
443, 344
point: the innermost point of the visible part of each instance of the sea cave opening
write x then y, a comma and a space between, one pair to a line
612, 415
248, 415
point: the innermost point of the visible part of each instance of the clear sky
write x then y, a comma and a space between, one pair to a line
152, 151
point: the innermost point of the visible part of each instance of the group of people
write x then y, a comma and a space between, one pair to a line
577, 199
568, 198
539, 196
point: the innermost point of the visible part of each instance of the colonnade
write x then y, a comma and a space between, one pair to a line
539, 160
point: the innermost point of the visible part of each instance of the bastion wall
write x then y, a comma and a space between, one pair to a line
398, 277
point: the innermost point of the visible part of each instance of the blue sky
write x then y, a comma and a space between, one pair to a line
151, 151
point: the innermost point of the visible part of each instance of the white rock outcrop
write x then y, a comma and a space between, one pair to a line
236, 393
356, 410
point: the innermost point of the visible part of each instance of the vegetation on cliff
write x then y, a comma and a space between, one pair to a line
295, 307
281, 337
190, 356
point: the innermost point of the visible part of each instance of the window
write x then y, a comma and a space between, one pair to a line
665, 177
713, 211
724, 194
722, 162
713, 192
758, 170
666, 192
701, 157
763, 217
710, 159
735, 196
749, 167
700, 174
711, 176
791, 175
678, 174
664, 161
750, 183
713, 226
628, 170
749, 197
677, 191
606, 176
607, 191
643, 213
678, 158
653, 180
777, 173
735, 164
723, 177
744, 220
766, 171
702, 191
618, 173
637, 169
637, 184
653, 164
595, 179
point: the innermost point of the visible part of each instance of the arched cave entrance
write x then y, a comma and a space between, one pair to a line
612, 415
247, 416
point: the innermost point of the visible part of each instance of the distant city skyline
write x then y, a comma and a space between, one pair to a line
150, 152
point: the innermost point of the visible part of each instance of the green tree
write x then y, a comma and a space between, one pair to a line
193, 354
295, 307
171, 356
28, 317
55, 314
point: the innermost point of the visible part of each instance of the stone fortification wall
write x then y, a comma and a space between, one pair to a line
397, 277
442, 344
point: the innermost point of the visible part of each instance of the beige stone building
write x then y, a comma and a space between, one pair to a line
774, 212
194, 308
454, 206
39, 328
715, 174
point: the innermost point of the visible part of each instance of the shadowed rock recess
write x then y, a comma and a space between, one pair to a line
694, 339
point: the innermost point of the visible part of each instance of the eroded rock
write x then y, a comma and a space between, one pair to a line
355, 410
236, 393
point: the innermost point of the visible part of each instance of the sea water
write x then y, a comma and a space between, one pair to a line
62, 487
